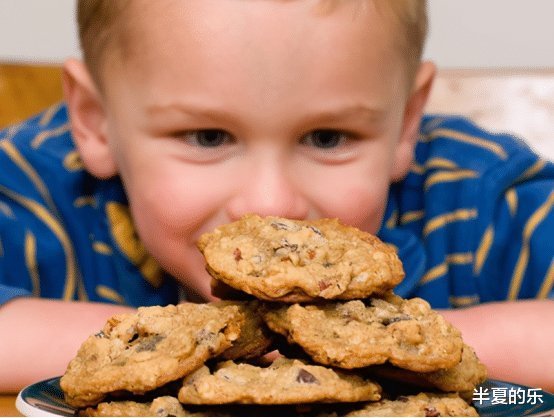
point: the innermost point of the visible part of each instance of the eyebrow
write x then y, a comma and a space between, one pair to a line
331, 113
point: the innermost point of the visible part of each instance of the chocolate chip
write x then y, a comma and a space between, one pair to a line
431, 411
306, 377
205, 337
280, 225
149, 343
134, 337
100, 334
388, 321
237, 254
317, 231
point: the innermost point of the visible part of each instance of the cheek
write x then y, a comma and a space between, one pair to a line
356, 193
359, 205
174, 199
170, 215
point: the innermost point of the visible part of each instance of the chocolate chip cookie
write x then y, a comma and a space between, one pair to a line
421, 405
285, 381
464, 376
406, 333
144, 350
164, 406
280, 259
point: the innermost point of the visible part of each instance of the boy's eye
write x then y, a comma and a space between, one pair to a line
324, 138
207, 138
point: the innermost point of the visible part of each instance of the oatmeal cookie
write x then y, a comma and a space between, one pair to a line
285, 381
141, 351
164, 406
420, 405
280, 259
406, 333
463, 377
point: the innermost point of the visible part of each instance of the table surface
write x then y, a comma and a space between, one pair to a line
7, 406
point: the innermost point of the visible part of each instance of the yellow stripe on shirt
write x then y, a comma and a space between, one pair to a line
110, 294
468, 139
447, 218
417, 168
30, 172
483, 249
49, 114
393, 220
102, 248
459, 301
442, 268
448, 176
548, 282
437, 162
6, 210
51, 133
31, 261
434, 163
459, 258
82, 201
511, 199
434, 273
531, 171
412, 216
523, 259
73, 161
50, 221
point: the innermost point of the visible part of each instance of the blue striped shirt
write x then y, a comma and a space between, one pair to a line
473, 221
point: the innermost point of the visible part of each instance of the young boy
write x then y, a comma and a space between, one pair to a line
195, 113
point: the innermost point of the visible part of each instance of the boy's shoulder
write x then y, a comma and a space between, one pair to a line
39, 154
453, 151
455, 142
51, 127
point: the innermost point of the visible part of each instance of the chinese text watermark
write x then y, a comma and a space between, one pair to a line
507, 396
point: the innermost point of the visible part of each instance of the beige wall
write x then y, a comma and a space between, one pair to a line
464, 33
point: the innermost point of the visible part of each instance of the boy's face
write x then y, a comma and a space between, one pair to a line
222, 108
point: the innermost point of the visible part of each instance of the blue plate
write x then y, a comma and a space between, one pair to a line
46, 399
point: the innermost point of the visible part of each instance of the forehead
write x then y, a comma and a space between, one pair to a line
263, 50
148, 24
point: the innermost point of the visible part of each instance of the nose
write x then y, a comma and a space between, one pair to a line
268, 188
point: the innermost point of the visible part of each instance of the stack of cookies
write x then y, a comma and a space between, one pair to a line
320, 293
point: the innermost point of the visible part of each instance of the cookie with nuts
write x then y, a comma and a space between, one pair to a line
354, 334
285, 381
163, 406
420, 405
279, 259
463, 377
141, 351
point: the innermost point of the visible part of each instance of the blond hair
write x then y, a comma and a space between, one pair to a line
99, 21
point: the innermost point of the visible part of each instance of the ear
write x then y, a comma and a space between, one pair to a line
412, 117
88, 119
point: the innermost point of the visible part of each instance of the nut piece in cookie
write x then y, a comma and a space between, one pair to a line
164, 406
283, 382
406, 333
141, 351
255, 337
279, 259
421, 405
